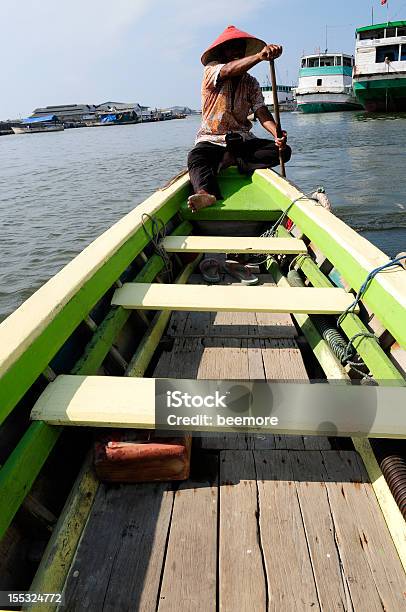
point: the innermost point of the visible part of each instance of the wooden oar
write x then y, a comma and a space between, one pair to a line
276, 113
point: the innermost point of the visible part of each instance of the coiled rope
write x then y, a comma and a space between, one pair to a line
156, 236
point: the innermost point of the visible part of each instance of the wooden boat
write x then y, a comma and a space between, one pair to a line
264, 521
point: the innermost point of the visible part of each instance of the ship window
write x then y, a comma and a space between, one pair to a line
319, 82
372, 34
303, 63
313, 62
401, 32
327, 61
388, 51
390, 32
338, 61
403, 53
347, 61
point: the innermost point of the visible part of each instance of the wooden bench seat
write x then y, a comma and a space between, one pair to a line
233, 244
216, 298
109, 401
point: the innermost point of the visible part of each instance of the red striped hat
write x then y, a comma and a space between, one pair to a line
254, 45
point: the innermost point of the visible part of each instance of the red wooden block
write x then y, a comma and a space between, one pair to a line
132, 456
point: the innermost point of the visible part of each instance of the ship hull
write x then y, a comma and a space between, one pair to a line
383, 95
326, 102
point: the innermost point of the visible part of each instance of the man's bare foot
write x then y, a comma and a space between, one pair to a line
200, 200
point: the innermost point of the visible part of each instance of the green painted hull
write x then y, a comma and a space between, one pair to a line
385, 95
328, 107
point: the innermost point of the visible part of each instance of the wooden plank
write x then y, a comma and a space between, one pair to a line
109, 401
106, 400
244, 587
283, 360
232, 324
350, 253
120, 556
232, 244
282, 536
308, 300
332, 582
190, 572
367, 552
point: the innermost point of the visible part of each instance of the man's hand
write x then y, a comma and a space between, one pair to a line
270, 52
281, 142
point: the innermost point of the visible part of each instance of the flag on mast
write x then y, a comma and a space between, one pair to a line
384, 2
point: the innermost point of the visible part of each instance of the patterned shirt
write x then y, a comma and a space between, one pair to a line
226, 105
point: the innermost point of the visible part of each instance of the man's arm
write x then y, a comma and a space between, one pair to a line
238, 67
268, 122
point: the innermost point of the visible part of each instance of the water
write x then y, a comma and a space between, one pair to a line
60, 191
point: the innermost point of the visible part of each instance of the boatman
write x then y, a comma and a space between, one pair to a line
229, 95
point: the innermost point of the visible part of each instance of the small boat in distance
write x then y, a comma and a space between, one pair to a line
380, 67
325, 83
46, 123
285, 97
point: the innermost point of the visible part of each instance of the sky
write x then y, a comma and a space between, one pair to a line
148, 51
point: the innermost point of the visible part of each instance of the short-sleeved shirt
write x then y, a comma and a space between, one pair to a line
226, 104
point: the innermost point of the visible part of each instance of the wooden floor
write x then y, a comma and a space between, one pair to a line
264, 523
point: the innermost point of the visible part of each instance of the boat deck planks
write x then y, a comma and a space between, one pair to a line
288, 537
121, 552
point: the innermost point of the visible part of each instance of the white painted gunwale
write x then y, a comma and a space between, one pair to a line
364, 252
26, 323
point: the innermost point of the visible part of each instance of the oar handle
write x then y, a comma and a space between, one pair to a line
279, 132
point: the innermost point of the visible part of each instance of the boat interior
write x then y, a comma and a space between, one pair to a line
263, 521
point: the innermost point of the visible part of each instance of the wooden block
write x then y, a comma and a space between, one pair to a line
124, 456
232, 244
155, 296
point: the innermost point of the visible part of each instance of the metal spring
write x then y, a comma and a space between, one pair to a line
394, 470
330, 334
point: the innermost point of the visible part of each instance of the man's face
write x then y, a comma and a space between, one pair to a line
234, 49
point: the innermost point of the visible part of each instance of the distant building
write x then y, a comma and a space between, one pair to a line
143, 113
69, 114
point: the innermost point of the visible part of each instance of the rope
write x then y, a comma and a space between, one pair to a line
365, 284
269, 233
306, 196
296, 259
157, 235
349, 352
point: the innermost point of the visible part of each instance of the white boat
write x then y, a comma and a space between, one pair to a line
285, 97
44, 123
325, 83
380, 67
